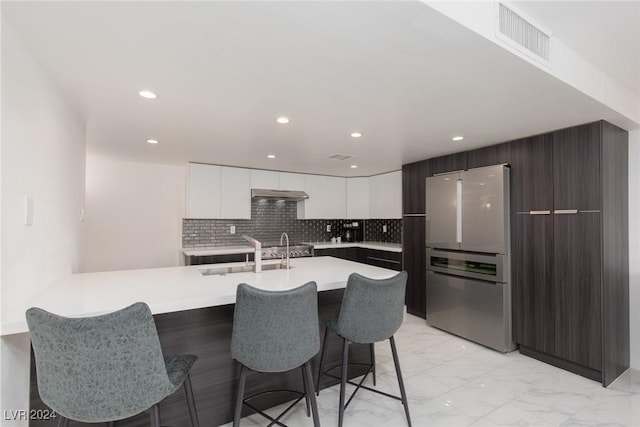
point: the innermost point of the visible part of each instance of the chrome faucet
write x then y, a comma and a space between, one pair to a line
258, 252
288, 253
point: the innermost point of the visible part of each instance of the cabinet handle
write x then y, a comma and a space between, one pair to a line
565, 211
539, 212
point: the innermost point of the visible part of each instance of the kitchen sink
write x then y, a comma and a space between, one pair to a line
223, 271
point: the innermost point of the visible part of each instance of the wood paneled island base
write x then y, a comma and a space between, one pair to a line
206, 332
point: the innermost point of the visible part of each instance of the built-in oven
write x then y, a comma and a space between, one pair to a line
469, 294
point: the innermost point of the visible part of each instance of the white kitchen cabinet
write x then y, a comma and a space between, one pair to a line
385, 195
269, 180
393, 195
358, 198
235, 193
327, 198
218, 192
203, 193
377, 188
291, 181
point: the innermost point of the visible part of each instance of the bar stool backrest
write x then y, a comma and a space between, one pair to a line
102, 368
275, 331
372, 309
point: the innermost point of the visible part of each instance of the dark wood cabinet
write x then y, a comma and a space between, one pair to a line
384, 259
576, 168
449, 163
414, 262
532, 282
563, 238
577, 288
532, 174
350, 254
488, 156
413, 186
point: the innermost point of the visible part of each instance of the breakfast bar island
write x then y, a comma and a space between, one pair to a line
194, 314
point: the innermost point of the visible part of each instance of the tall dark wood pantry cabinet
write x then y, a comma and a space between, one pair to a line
570, 249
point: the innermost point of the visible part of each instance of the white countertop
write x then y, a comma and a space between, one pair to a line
218, 250
179, 288
245, 249
382, 246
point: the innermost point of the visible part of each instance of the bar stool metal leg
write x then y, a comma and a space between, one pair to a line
111, 424
240, 396
311, 396
400, 382
372, 352
305, 383
191, 403
155, 416
324, 350
343, 383
62, 421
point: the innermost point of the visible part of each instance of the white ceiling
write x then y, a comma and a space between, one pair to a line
605, 33
404, 75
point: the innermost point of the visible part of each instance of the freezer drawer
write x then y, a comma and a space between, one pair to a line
473, 309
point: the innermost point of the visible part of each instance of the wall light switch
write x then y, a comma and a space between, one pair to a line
232, 229
28, 210
384, 228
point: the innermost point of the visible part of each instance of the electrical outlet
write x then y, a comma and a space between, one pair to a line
232, 229
384, 228
328, 228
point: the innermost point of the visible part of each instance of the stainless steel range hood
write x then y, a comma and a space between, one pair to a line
260, 193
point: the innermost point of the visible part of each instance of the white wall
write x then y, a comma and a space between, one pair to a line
43, 156
634, 246
133, 214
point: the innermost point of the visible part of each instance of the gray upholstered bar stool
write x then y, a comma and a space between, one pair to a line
371, 311
105, 368
276, 331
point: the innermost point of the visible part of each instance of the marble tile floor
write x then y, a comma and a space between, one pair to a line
452, 382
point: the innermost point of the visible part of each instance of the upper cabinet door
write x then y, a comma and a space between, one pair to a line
576, 168
235, 193
269, 180
327, 198
489, 156
532, 174
376, 196
291, 181
449, 163
358, 198
441, 218
203, 191
393, 195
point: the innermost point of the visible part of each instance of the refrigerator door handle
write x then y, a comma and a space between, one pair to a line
459, 211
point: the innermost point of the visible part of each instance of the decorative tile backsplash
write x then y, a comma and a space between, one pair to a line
269, 218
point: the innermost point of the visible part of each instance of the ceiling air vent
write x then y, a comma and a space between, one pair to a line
522, 34
339, 156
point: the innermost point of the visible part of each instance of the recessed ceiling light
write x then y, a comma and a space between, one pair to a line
356, 135
147, 94
152, 141
457, 138
271, 156
354, 166
282, 120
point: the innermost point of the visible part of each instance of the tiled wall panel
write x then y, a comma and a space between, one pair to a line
269, 218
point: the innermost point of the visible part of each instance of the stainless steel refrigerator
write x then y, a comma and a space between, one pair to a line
468, 263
